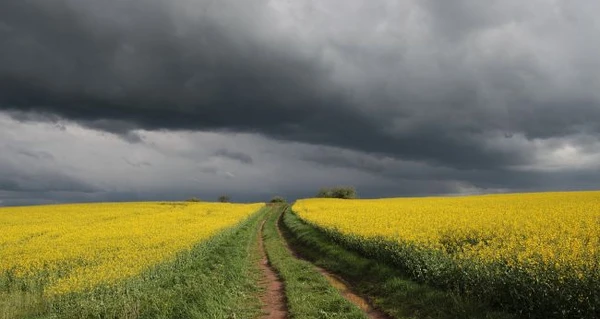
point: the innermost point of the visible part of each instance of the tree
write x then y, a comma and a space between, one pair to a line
343, 192
346, 192
325, 193
224, 199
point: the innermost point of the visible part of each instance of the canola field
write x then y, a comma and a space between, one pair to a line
73, 248
537, 254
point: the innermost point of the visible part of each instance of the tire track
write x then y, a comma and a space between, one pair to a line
273, 299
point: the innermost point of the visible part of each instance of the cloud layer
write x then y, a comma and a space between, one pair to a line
443, 96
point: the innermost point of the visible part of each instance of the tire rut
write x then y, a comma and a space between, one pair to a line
273, 299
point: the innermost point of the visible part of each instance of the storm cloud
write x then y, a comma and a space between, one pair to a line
402, 97
236, 156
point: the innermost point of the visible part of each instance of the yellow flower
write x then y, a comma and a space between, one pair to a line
83, 245
535, 231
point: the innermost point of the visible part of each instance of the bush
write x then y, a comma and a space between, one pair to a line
278, 200
325, 193
224, 199
343, 192
193, 200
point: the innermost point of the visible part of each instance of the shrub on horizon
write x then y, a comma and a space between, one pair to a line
278, 200
342, 192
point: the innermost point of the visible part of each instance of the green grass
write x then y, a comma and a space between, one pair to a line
388, 288
215, 279
19, 304
308, 293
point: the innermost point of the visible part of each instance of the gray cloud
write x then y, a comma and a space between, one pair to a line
339, 158
208, 170
446, 96
43, 181
213, 171
136, 163
160, 67
236, 156
40, 155
92, 166
9, 185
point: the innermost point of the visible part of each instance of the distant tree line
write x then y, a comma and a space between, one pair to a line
343, 192
222, 199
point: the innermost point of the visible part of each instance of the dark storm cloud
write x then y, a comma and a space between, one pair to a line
339, 159
209, 170
9, 185
418, 178
428, 94
122, 129
39, 155
54, 182
25, 170
137, 164
236, 156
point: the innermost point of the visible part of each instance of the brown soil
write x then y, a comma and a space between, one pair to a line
342, 287
273, 299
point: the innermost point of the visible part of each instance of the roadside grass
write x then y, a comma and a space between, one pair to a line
309, 294
215, 279
20, 304
385, 286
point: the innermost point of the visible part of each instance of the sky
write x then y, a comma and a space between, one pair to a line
122, 100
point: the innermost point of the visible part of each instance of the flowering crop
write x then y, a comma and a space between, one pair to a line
76, 247
537, 253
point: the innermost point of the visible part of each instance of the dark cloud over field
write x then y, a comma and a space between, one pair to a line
396, 97
237, 156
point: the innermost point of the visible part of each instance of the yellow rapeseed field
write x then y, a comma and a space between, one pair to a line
537, 254
77, 247
558, 230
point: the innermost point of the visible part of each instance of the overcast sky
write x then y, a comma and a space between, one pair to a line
167, 99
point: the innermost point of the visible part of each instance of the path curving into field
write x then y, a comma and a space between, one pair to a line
273, 298
337, 282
